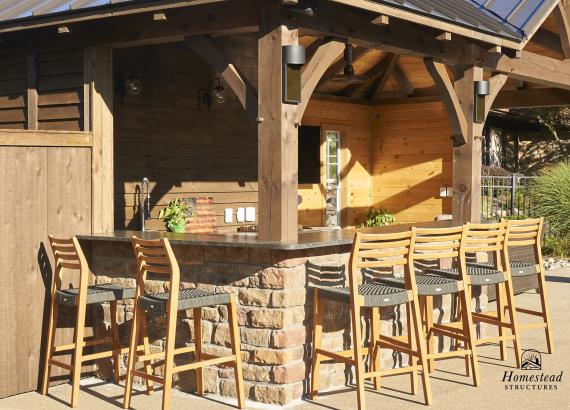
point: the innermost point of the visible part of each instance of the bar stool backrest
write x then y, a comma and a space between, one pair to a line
436, 243
156, 257
377, 254
489, 238
67, 254
523, 240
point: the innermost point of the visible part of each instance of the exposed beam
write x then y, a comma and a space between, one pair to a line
406, 38
428, 21
314, 70
445, 36
380, 81
403, 80
561, 16
438, 72
496, 84
381, 20
532, 97
312, 48
246, 93
377, 77
538, 24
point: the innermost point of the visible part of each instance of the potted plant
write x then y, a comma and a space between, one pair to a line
378, 217
174, 215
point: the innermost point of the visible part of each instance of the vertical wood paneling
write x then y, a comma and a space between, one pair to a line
45, 190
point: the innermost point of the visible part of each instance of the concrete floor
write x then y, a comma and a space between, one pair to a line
451, 389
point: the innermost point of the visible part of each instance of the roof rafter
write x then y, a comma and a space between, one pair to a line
561, 15
377, 76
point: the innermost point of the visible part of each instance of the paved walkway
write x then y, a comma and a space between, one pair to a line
451, 390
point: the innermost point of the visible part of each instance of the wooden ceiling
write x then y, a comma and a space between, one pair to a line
395, 77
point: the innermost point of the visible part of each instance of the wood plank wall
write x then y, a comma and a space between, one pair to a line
47, 85
412, 158
43, 190
184, 149
354, 121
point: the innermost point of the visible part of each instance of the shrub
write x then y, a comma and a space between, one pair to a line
551, 198
378, 217
556, 246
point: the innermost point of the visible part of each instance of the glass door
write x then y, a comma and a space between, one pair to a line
332, 172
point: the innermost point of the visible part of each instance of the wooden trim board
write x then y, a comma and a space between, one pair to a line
18, 138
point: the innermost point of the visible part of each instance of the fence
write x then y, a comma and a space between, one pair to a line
505, 197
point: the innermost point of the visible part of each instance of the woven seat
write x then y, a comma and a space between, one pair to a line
428, 284
374, 294
478, 275
95, 294
187, 299
518, 268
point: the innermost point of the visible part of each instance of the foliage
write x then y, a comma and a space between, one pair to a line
556, 246
554, 120
173, 215
378, 217
551, 198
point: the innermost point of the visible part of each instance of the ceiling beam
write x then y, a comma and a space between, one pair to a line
339, 65
314, 70
532, 97
560, 14
406, 38
379, 83
206, 48
403, 80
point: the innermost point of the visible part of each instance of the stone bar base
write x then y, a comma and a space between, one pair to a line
275, 310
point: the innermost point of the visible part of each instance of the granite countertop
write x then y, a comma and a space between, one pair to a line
308, 239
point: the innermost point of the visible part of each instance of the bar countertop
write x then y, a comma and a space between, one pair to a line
308, 239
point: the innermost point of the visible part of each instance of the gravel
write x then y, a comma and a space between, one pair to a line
554, 263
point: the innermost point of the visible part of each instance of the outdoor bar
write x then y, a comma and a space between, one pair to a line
274, 131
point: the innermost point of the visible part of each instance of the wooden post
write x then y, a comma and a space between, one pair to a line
32, 93
99, 76
277, 142
467, 159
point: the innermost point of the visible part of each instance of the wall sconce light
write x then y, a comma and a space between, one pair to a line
482, 89
216, 94
132, 84
293, 60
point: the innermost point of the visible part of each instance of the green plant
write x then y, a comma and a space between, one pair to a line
174, 215
551, 198
378, 217
556, 246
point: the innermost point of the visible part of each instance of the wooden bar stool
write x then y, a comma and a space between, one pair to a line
155, 257
523, 239
69, 256
374, 255
491, 238
432, 245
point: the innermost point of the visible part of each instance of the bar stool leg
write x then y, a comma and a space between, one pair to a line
78, 351
198, 352
169, 356
429, 325
514, 321
358, 360
116, 342
374, 352
52, 327
545, 312
143, 326
236, 350
317, 335
469, 331
462, 344
500, 292
421, 345
412, 343
132, 355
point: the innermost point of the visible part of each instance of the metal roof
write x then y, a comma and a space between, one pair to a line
21, 9
513, 19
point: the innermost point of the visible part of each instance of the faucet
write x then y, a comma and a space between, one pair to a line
144, 202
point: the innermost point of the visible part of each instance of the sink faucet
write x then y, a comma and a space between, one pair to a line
144, 202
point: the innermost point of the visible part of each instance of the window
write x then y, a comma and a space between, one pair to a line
332, 212
309, 155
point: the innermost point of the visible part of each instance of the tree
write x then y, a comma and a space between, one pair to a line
555, 121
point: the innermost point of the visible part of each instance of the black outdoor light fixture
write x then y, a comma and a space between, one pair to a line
481, 90
133, 84
216, 93
293, 60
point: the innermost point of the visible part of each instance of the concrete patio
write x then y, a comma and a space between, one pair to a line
450, 388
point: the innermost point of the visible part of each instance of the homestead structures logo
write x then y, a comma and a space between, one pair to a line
531, 360
531, 376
